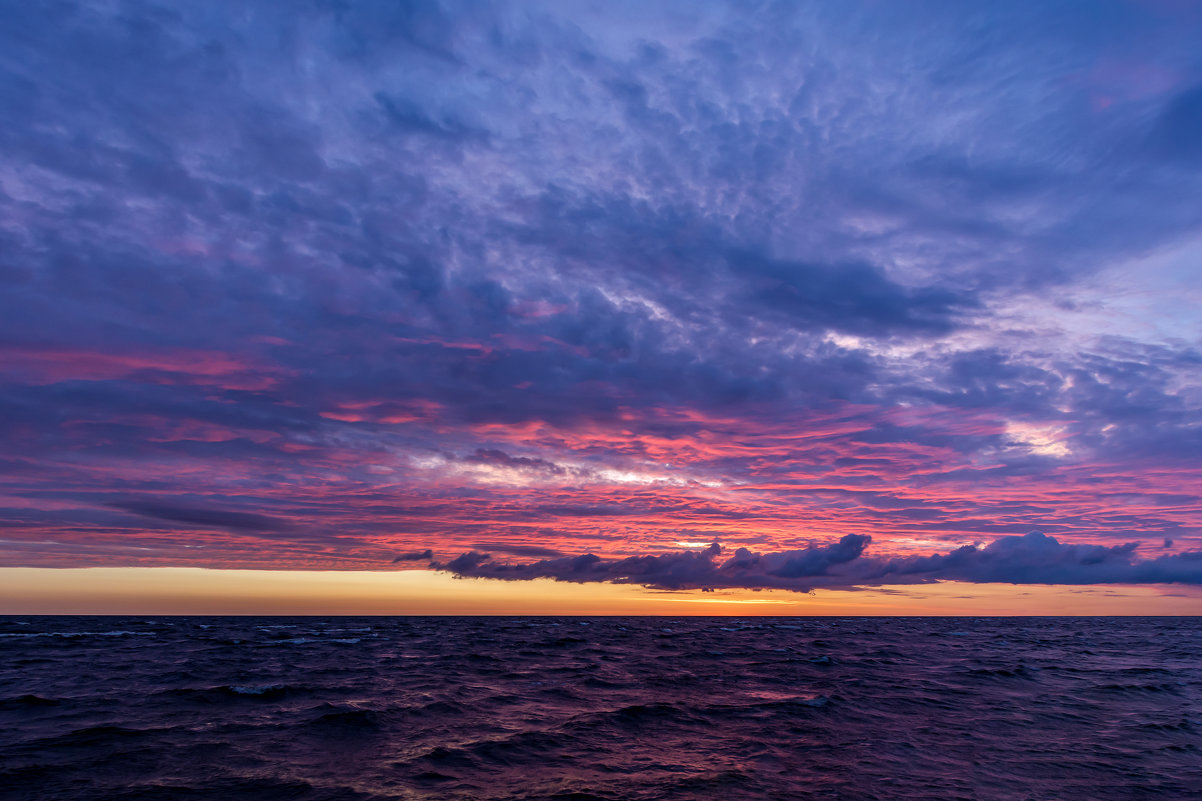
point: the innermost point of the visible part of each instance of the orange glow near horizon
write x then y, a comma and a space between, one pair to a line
198, 591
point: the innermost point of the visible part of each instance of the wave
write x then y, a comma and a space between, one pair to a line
27, 701
685, 708
1019, 672
344, 721
226, 693
68, 635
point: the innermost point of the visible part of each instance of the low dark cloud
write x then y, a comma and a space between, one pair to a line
1034, 558
414, 556
680, 570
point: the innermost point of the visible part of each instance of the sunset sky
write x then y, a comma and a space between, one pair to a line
659, 307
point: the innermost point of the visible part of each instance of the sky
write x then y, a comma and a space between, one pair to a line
800, 307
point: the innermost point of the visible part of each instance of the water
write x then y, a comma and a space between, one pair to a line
601, 708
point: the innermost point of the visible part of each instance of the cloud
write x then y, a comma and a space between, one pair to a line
1034, 558
517, 549
203, 517
414, 556
495, 457
450, 269
1177, 127
405, 115
679, 570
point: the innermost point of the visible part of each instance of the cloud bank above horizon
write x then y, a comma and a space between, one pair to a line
364, 284
1033, 558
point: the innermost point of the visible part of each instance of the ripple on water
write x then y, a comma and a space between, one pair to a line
465, 708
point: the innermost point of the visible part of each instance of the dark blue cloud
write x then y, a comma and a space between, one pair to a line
1177, 127
1034, 558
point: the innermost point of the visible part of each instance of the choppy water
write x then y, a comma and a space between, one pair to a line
603, 708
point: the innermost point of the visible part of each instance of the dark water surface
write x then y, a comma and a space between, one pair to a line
610, 708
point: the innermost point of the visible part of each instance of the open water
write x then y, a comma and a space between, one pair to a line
335, 709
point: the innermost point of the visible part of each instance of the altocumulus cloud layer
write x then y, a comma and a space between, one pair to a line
342, 283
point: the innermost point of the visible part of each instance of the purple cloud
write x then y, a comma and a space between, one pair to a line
1034, 558
436, 273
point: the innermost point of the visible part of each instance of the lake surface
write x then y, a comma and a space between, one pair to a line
600, 708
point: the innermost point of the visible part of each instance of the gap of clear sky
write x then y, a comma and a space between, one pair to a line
388, 307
